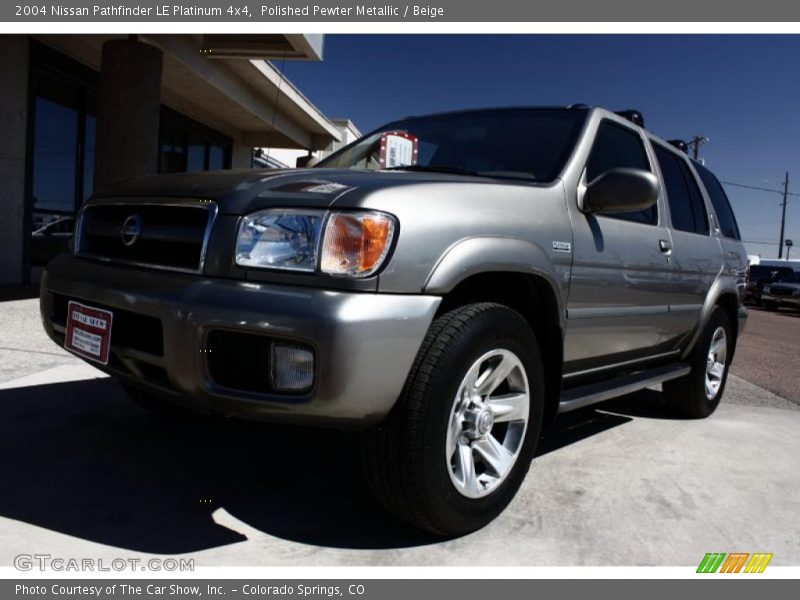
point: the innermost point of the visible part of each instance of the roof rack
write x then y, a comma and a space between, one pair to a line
680, 145
634, 116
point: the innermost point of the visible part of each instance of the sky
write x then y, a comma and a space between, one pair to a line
742, 92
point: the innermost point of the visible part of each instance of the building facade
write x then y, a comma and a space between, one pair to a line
81, 112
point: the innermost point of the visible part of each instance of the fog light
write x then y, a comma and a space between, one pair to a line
292, 368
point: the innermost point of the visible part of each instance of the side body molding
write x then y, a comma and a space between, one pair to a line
472, 256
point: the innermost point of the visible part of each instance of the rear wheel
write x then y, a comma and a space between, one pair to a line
697, 394
458, 444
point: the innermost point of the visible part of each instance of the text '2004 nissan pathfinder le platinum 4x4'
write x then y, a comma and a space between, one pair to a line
447, 284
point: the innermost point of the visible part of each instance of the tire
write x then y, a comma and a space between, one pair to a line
157, 406
770, 305
408, 462
697, 394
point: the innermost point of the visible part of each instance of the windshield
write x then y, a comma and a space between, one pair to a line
520, 143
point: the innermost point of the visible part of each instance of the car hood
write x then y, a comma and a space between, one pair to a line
238, 192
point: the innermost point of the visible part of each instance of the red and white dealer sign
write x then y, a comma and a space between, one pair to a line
88, 331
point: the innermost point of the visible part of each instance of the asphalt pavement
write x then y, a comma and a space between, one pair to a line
768, 354
87, 473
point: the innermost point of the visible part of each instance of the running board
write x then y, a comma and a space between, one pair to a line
605, 390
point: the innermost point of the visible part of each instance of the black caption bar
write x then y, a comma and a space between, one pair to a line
435, 10
733, 588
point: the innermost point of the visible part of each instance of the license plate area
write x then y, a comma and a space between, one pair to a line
88, 332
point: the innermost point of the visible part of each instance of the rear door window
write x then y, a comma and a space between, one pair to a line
618, 147
686, 205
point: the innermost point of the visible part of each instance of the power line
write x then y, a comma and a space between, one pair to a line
759, 242
760, 189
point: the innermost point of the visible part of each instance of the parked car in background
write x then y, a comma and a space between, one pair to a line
784, 292
758, 276
51, 240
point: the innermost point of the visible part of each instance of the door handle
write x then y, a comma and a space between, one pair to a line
734, 255
665, 245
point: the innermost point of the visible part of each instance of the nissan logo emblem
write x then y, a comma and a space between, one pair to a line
131, 230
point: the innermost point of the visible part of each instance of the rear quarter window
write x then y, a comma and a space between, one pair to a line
719, 200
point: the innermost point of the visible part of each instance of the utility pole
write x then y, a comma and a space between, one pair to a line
783, 214
695, 143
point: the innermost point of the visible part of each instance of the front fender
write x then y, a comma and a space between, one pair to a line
476, 255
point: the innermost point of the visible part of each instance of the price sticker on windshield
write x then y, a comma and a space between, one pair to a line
398, 149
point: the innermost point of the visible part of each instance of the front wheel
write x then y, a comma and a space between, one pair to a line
458, 444
697, 394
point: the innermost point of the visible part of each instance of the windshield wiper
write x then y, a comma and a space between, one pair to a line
435, 169
458, 171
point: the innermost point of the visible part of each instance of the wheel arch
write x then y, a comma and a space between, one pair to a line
723, 293
533, 297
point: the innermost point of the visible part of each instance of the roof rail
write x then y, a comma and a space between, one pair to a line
634, 116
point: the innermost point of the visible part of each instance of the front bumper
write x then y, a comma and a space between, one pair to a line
364, 343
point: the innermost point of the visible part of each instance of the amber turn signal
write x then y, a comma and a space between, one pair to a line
356, 243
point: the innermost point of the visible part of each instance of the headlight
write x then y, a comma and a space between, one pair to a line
353, 244
279, 239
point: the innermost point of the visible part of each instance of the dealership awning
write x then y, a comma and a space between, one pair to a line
228, 83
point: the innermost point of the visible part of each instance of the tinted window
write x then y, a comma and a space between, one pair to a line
686, 205
698, 204
188, 146
791, 278
757, 272
619, 147
727, 221
62, 164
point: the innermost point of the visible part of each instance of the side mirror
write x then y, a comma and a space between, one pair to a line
621, 190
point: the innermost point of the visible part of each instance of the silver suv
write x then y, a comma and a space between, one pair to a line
447, 284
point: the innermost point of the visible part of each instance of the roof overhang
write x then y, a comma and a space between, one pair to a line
247, 98
295, 46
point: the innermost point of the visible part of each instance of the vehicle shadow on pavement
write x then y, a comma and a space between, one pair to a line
572, 427
81, 459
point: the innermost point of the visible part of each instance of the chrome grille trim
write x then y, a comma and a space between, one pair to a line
210, 206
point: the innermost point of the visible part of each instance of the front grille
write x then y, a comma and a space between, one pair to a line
162, 235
